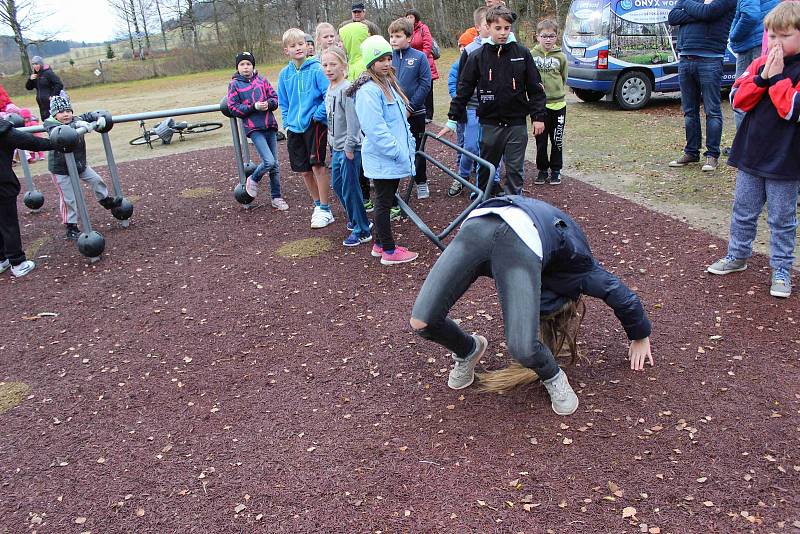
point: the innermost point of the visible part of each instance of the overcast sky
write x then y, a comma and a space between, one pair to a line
79, 20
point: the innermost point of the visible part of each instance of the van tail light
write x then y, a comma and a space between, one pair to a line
602, 59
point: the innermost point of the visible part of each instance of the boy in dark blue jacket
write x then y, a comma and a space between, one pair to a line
414, 75
703, 29
538, 256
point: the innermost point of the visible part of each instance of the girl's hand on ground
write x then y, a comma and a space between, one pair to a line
639, 352
538, 128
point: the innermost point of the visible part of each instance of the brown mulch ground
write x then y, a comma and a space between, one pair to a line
195, 381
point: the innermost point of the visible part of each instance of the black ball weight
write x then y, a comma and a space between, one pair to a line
64, 138
223, 107
124, 211
107, 116
249, 168
16, 120
33, 200
241, 195
92, 244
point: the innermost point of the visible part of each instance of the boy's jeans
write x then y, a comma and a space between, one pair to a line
743, 61
266, 143
344, 181
781, 198
487, 246
700, 79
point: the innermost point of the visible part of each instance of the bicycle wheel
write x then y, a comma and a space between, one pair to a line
201, 127
143, 140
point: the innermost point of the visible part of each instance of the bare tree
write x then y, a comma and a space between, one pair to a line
144, 11
22, 17
161, 24
121, 8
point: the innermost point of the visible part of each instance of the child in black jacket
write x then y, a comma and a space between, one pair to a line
61, 113
11, 253
509, 90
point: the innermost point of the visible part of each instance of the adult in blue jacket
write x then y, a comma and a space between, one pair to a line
746, 33
539, 257
703, 30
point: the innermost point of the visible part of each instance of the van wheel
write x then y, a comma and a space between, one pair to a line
633, 90
587, 95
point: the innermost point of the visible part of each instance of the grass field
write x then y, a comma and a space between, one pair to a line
625, 152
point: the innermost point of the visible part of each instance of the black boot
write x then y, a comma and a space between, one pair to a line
110, 203
72, 232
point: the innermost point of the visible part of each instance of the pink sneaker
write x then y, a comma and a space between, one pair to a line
377, 251
251, 186
400, 255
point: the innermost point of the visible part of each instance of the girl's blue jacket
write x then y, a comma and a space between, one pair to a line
388, 148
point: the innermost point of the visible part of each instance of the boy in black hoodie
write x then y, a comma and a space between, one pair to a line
509, 90
11, 253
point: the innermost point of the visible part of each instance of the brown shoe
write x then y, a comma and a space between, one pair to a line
711, 164
684, 160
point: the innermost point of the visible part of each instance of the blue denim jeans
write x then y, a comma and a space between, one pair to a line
344, 181
781, 199
266, 143
487, 246
743, 60
700, 80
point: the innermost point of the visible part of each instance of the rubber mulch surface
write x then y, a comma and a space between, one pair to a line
196, 381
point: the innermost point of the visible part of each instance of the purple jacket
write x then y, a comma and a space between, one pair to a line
243, 93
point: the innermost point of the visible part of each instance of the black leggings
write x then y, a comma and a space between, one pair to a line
10, 239
384, 197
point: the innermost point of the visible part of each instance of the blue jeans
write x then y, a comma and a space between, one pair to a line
266, 143
472, 142
344, 181
487, 246
743, 61
781, 199
700, 80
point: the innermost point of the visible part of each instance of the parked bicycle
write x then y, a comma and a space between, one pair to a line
166, 129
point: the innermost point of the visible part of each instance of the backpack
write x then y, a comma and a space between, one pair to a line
436, 52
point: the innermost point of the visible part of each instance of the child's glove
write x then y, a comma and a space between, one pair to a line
451, 124
83, 124
100, 123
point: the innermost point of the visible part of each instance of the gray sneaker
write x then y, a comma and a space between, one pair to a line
727, 265
781, 284
463, 373
563, 398
684, 160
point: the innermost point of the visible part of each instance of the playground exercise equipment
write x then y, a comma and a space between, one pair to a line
404, 199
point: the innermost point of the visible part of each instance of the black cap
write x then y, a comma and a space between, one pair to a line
241, 56
358, 6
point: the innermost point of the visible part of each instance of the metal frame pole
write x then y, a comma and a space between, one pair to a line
245, 144
26, 171
237, 150
74, 180
112, 168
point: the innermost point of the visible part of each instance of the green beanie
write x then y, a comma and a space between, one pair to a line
373, 48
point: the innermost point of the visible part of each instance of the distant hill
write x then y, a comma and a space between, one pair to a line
9, 52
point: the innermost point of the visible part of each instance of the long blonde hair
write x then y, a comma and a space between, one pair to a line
386, 84
558, 331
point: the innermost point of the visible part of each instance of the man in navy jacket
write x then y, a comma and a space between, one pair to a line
538, 257
703, 29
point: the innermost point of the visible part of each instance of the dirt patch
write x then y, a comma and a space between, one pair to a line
305, 248
194, 380
197, 192
33, 248
12, 394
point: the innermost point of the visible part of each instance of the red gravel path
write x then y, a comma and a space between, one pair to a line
193, 370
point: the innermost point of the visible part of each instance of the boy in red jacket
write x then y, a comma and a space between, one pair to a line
765, 150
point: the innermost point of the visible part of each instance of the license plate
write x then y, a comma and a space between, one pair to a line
579, 52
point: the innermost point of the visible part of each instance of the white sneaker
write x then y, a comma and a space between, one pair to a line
251, 186
4, 266
463, 372
23, 268
563, 398
280, 204
321, 218
423, 191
